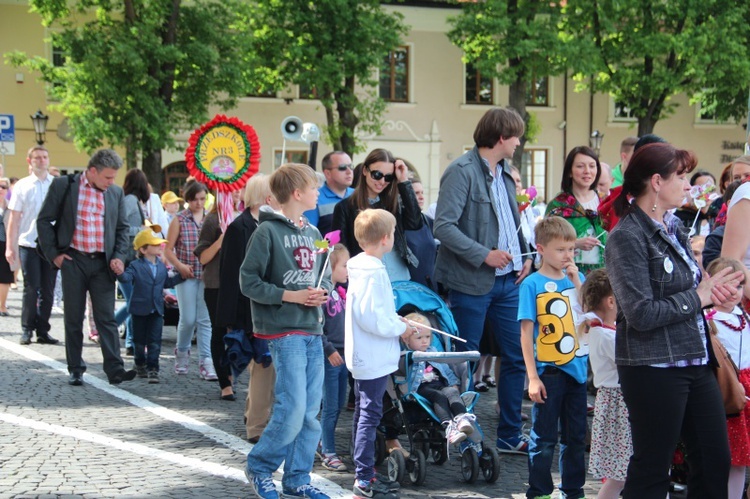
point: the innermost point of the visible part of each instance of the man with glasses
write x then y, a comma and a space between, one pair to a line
38, 275
337, 168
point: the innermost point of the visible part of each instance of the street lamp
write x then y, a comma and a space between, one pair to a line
595, 141
39, 119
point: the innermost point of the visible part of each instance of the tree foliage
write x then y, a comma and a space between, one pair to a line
514, 41
643, 52
139, 71
332, 47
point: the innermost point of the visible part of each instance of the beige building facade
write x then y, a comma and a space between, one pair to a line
431, 125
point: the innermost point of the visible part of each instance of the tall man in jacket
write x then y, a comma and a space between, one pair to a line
83, 231
480, 260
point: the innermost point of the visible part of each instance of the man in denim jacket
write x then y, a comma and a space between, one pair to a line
480, 258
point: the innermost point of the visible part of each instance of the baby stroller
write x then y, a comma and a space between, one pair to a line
413, 415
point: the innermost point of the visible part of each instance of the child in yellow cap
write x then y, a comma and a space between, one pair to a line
171, 204
149, 277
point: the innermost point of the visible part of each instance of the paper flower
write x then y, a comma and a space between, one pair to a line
704, 194
526, 198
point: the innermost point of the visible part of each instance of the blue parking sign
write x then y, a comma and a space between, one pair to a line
7, 128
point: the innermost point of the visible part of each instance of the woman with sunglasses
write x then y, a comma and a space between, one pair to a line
6, 275
385, 184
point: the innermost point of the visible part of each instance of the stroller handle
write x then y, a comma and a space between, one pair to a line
445, 357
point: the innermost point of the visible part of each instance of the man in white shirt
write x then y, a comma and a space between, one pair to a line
38, 274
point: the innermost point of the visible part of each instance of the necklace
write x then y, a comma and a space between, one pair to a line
731, 326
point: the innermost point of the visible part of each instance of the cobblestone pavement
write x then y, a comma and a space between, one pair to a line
175, 439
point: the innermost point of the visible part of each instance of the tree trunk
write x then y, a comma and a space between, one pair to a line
333, 137
646, 126
131, 152
152, 168
345, 104
517, 100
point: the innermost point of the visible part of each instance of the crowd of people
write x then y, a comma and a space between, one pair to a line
624, 277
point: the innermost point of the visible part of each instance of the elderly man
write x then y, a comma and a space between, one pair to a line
83, 231
38, 275
480, 259
337, 168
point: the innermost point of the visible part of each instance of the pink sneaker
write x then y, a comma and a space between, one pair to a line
181, 361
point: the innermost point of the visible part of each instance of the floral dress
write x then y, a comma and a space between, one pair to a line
587, 223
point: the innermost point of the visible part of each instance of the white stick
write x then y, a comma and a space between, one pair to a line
600, 235
419, 324
323, 272
529, 253
692, 227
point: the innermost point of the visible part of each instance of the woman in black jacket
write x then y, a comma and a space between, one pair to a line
661, 350
384, 183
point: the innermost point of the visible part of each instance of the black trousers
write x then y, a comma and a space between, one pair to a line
664, 405
80, 274
38, 291
446, 400
211, 296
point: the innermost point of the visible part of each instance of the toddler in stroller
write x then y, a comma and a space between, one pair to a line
435, 382
428, 403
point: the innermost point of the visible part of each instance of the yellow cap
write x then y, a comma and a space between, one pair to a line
146, 237
170, 197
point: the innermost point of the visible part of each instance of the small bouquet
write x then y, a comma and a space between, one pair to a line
326, 246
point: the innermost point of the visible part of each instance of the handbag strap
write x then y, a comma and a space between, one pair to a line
714, 332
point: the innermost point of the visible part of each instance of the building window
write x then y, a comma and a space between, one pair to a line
538, 92
394, 76
478, 87
534, 169
623, 112
290, 156
308, 92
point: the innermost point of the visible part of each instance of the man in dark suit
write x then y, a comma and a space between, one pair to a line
83, 231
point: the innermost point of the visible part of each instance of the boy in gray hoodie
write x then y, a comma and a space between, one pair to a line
279, 275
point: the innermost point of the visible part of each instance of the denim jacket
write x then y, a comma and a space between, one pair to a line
655, 291
416, 372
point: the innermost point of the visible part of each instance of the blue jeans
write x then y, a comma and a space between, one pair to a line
563, 411
193, 317
293, 432
122, 314
334, 398
500, 306
147, 331
368, 410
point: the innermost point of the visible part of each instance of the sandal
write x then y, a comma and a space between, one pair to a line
489, 380
397, 447
333, 463
481, 386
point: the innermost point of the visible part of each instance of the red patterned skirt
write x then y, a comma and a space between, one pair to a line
738, 428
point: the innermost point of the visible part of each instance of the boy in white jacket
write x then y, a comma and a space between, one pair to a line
372, 330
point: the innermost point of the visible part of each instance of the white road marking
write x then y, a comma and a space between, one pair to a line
221, 437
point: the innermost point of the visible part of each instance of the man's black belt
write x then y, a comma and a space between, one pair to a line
93, 256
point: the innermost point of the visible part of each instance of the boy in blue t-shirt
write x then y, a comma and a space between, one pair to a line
556, 362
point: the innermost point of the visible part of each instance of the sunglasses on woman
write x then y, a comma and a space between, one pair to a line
378, 175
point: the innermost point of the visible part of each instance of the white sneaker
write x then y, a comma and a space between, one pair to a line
181, 361
206, 369
453, 435
465, 423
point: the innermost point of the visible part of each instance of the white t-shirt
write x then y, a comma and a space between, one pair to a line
742, 192
602, 357
737, 345
27, 197
591, 256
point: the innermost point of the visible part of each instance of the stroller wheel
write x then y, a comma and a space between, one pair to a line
422, 442
469, 465
380, 450
396, 466
490, 463
417, 465
439, 448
